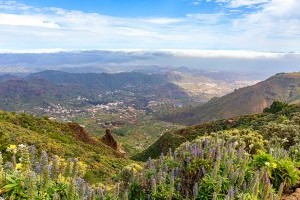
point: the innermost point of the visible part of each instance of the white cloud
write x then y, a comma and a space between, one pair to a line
226, 54
196, 2
241, 3
25, 20
274, 26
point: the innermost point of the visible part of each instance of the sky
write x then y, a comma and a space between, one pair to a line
256, 25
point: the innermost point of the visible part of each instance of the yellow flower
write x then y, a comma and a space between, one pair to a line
12, 146
82, 168
274, 165
18, 166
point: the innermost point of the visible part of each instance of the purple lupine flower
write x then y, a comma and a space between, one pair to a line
166, 168
170, 151
8, 166
175, 155
100, 193
37, 167
214, 196
203, 171
205, 143
230, 193
161, 158
44, 159
188, 160
81, 186
176, 171
195, 190
200, 153
244, 186
172, 179
153, 185
32, 153
172, 172
150, 163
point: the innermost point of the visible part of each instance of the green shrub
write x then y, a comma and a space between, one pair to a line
276, 107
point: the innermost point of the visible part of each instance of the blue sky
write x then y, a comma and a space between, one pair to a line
259, 25
131, 8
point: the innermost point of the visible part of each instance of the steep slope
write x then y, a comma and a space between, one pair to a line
248, 100
63, 139
283, 124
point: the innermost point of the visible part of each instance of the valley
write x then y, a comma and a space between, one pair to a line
119, 127
127, 103
150, 100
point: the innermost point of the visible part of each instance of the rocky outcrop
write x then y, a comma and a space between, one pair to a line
80, 133
294, 196
109, 140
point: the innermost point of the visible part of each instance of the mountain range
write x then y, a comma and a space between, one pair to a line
48, 87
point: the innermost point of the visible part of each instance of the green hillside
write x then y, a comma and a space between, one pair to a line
282, 124
68, 140
249, 100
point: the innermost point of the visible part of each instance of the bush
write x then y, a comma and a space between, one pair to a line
276, 106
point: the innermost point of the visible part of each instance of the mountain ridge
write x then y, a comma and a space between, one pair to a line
248, 100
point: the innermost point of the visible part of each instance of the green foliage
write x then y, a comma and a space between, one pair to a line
136, 192
285, 172
258, 128
280, 170
66, 140
219, 166
262, 160
276, 107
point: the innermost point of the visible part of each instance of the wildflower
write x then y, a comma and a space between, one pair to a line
12, 148
81, 168
203, 171
230, 194
267, 164
214, 196
153, 185
25, 159
100, 193
273, 165
18, 166
31, 185
55, 167
55, 196
71, 190
235, 143
195, 190
21, 146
